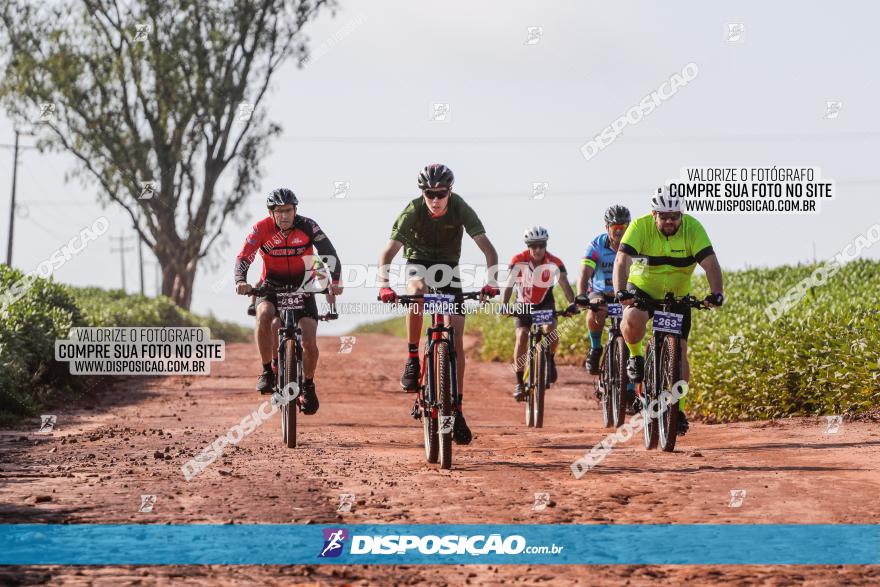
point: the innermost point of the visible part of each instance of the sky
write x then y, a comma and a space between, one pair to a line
360, 112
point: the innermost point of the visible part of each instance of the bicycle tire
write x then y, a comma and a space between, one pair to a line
289, 409
530, 389
603, 385
444, 389
540, 388
618, 382
670, 366
650, 427
429, 419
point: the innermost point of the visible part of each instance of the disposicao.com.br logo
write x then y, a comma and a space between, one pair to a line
431, 544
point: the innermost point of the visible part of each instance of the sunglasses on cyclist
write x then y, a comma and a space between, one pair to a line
670, 217
618, 227
435, 194
537, 245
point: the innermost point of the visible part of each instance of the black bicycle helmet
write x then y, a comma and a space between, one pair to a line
435, 175
280, 197
617, 215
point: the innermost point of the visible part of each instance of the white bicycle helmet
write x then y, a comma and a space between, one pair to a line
661, 201
536, 234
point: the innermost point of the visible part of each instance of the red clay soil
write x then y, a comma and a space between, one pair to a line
99, 461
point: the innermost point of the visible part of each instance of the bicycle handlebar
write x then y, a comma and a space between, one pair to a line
266, 289
413, 298
668, 302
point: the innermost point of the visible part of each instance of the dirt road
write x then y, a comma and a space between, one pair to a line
99, 461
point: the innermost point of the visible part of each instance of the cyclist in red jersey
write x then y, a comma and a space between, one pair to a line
287, 243
534, 273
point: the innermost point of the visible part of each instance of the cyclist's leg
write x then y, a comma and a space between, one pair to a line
520, 348
596, 322
309, 327
276, 326
264, 333
633, 326
415, 315
457, 323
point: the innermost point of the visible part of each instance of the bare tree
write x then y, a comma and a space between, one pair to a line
155, 99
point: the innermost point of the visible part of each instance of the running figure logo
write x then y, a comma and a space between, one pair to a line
334, 538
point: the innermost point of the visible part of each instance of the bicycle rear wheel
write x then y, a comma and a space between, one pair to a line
618, 382
670, 366
289, 409
648, 396
540, 388
444, 389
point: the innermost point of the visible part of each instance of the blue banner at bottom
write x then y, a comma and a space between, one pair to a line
700, 544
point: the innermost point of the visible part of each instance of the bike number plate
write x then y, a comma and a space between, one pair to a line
668, 322
615, 310
291, 301
541, 317
439, 304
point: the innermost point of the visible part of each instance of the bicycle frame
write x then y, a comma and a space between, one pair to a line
435, 336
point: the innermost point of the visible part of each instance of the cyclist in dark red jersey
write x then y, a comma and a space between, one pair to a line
287, 244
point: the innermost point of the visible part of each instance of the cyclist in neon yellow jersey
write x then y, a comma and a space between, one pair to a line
658, 254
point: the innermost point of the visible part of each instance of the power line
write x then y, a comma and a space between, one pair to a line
121, 249
695, 139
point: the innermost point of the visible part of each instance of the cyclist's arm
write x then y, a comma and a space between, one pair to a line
388, 254
512, 273
491, 257
584, 277
713, 273
246, 257
622, 263
566, 286
328, 254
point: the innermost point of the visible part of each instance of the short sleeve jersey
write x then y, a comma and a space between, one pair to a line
600, 256
435, 239
665, 263
535, 282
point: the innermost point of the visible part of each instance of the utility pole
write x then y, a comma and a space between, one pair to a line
140, 257
121, 249
12, 201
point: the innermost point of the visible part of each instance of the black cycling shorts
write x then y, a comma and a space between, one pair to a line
309, 309
684, 311
443, 276
524, 320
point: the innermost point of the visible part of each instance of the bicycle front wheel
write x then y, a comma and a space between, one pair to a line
288, 409
648, 396
670, 367
540, 388
603, 386
618, 382
444, 390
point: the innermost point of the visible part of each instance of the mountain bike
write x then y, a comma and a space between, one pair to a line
537, 369
438, 397
663, 368
612, 380
289, 376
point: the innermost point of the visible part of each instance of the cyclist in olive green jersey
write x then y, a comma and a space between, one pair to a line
668, 246
430, 230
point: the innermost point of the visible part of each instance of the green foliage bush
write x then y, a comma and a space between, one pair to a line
45, 311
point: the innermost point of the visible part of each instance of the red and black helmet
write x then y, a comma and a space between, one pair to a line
435, 175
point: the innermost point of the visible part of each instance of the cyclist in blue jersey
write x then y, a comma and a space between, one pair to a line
595, 283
